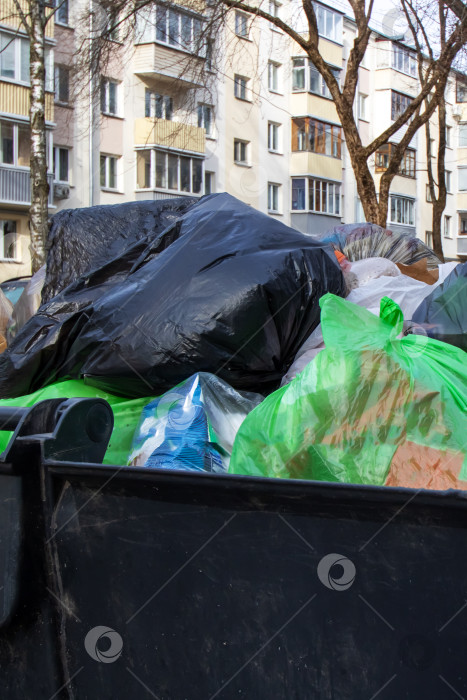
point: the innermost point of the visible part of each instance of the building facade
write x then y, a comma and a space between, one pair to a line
180, 115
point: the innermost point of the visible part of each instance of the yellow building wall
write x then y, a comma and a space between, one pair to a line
162, 60
315, 164
149, 131
9, 16
16, 99
303, 103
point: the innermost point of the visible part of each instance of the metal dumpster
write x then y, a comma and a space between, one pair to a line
121, 583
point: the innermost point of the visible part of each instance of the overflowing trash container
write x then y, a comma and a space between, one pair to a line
233, 461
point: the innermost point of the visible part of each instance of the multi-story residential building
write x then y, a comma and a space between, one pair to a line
178, 115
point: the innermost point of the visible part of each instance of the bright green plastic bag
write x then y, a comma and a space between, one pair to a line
363, 396
126, 412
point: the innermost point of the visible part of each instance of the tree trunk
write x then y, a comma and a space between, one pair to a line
437, 217
38, 213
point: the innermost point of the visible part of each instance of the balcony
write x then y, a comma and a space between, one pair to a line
15, 186
159, 132
168, 64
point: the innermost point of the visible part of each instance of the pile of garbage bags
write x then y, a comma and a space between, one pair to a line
227, 342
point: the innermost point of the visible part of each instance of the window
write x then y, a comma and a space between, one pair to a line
61, 15
404, 60
241, 24
14, 57
317, 137
428, 194
158, 106
15, 144
310, 80
463, 228
109, 89
205, 120
7, 239
461, 90
241, 87
447, 226
61, 164
112, 25
109, 172
274, 8
463, 135
462, 179
429, 238
362, 103
311, 194
170, 26
273, 197
241, 151
273, 137
448, 181
169, 171
407, 167
449, 136
273, 76
399, 104
208, 182
62, 84
329, 23
402, 210
432, 147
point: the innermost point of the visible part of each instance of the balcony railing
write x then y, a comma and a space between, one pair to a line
160, 132
15, 186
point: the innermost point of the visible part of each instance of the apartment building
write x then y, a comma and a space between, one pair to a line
249, 114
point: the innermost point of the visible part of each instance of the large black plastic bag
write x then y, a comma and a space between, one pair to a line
226, 290
360, 241
443, 314
81, 240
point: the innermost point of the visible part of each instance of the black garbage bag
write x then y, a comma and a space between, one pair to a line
225, 289
79, 240
359, 241
443, 314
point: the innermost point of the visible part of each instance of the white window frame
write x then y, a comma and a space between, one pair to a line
405, 206
274, 137
14, 258
462, 135
447, 233
362, 106
108, 159
241, 86
162, 156
158, 103
274, 198
205, 123
241, 24
238, 144
329, 23
331, 191
462, 177
448, 175
211, 176
58, 69
105, 97
274, 8
309, 68
56, 160
273, 76
404, 60
449, 136
63, 8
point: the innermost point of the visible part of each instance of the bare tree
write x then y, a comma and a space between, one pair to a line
32, 16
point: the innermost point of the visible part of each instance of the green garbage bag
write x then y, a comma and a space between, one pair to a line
367, 395
126, 412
